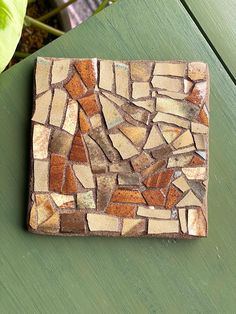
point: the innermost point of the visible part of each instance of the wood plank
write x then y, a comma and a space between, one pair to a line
96, 275
218, 21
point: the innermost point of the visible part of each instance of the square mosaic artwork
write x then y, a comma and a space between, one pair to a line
119, 148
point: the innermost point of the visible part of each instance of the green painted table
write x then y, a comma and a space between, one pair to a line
102, 275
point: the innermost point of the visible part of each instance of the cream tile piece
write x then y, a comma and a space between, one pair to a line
41, 175
98, 222
58, 107
187, 86
85, 200
184, 150
122, 79
51, 225
163, 226
168, 83
196, 223
135, 134
154, 139
182, 219
111, 114
148, 104
169, 132
165, 68
197, 70
123, 145
181, 184
85, 176
174, 95
117, 100
41, 135
178, 108
183, 140
71, 118
179, 161
33, 221
189, 200
42, 75
153, 212
106, 77
96, 121
198, 128
197, 173
164, 117
63, 201
140, 89
140, 70
42, 104
44, 207
60, 69
133, 226
200, 141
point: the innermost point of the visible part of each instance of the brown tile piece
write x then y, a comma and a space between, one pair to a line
127, 196
76, 87
87, 72
173, 197
83, 122
128, 179
56, 173
154, 197
197, 161
133, 227
159, 180
97, 158
60, 143
72, 222
140, 71
136, 113
162, 152
78, 150
105, 187
89, 104
198, 94
121, 210
69, 186
153, 168
141, 162
202, 117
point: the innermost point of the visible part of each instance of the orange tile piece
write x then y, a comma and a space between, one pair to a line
87, 73
154, 197
57, 168
69, 186
83, 122
78, 151
89, 104
76, 87
173, 197
121, 210
159, 180
203, 118
127, 196
197, 161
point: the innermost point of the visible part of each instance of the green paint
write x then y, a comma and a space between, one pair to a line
41, 274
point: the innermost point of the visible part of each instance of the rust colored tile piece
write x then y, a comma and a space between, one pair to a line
121, 210
78, 150
127, 196
159, 180
57, 168
73, 222
89, 104
75, 87
154, 197
87, 72
173, 197
197, 161
198, 94
203, 118
69, 186
83, 122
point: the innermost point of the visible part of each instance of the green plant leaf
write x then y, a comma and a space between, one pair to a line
12, 13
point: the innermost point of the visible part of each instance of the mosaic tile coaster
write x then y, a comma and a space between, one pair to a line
119, 148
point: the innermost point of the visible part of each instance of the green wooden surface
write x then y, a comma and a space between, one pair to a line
40, 274
218, 20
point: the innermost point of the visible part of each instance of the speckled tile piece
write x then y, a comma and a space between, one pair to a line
119, 148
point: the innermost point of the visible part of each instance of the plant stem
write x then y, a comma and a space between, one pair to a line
21, 54
101, 6
30, 21
55, 11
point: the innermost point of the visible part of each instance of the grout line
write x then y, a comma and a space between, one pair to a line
194, 19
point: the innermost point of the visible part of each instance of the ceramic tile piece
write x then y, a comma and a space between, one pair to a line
83, 122
197, 71
85, 176
140, 90
169, 132
199, 128
128, 179
181, 184
162, 152
183, 220
60, 143
140, 71
138, 114
154, 138
122, 79
124, 210
123, 166
167, 83
58, 107
173, 95
123, 145
115, 99
96, 121
90, 105
97, 222
85, 200
87, 69
41, 136
198, 94
42, 104
152, 212
70, 185
189, 200
127, 196
196, 223
164, 117
159, 180
179, 161
60, 69
141, 162
203, 117
97, 158
187, 86
197, 173
75, 87
41, 175
133, 227
56, 174
51, 225
202, 153
111, 114
71, 117
72, 222
148, 104
105, 187
198, 188
44, 208
106, 77
174, 69
135, 134
153, 168
200, 141
63, 201
154, 197
42, 74
78, 150
183, 140
173, 197
184, 150
163, 226
197, 161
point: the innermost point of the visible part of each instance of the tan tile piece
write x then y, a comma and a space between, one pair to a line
198, 173
128, 179
117, 100
163, 226
165, 68
184, 150
154, 139
51, 225
187, 86
198, 128
183, 220
196, 223
174, 95
97, 158
140, 89
148, 104
123, 145
181, 184
197, 70
169, 132
111, 114
179, 161
85, 176
123, 166
136, 113
189, 200
183, 140
153, 168
42, 104
42, 75
58, 107
85, 200
106, 77
44, 207
105, 187
41, 135
71, 117
168, 118
33, 219
41, 175
60, 143
63, 201
168, 83
162, 152
133, 227
122, 79
200, 141
60, 69
98, 222
141, 162
96, 121
140, 71
152, 212
135, 134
